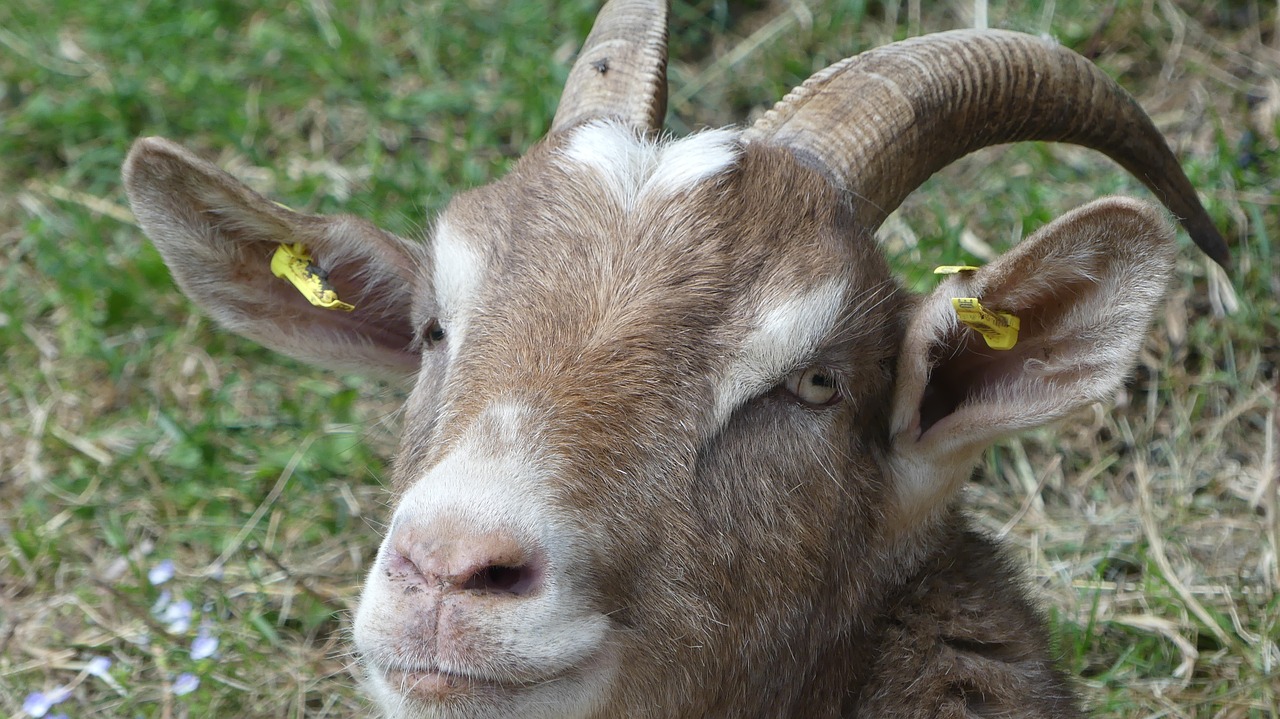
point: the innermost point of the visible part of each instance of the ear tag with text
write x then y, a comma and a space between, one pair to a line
999, 329
293, 263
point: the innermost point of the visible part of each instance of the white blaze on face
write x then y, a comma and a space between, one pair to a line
632, 169
457, 271
787, 331
496, 473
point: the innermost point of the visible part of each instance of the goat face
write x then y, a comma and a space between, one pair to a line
677, 440
602, 466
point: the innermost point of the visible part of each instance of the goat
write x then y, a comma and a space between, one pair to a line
678, 444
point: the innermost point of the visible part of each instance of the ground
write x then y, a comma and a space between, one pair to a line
133, 432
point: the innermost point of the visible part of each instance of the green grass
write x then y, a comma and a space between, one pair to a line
132, 431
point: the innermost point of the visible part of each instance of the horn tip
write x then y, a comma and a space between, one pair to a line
1209, 240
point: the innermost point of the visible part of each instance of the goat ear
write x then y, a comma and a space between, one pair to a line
218, 238
1084, 289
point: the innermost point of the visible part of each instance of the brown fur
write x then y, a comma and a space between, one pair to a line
965, 624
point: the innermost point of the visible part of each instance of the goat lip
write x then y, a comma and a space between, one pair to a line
429, 683
433, 684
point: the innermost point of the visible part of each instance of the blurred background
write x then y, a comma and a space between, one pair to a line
185, 516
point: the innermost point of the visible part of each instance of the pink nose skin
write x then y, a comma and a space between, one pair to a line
491, 563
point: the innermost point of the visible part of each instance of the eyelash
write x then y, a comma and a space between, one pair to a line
430, 335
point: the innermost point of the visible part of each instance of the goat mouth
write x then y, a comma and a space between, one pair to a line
430, 684
433, 685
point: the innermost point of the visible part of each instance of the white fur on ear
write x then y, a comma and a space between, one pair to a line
1084, 288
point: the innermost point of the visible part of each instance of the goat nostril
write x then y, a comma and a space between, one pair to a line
452, 559
497, 579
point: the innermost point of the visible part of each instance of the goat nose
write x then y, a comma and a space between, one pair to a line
494, 563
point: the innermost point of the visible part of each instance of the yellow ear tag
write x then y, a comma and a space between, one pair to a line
953, 269
999, 329
293, 263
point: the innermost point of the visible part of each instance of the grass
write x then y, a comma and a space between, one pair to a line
132, 432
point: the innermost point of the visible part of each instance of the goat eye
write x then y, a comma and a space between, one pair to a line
814, 386
432, 334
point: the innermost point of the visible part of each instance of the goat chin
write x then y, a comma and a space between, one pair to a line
436, 695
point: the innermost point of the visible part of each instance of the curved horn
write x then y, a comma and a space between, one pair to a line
622, 69
882, 122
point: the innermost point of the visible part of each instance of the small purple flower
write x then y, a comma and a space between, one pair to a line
98, 667
37, 704
185, 683
161, 573
177, 616
162, 601
205, 644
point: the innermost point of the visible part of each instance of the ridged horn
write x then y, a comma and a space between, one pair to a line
882, 122
622, 69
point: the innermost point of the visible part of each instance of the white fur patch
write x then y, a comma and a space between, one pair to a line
787, 330
633, 168
457, 271
494, 475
